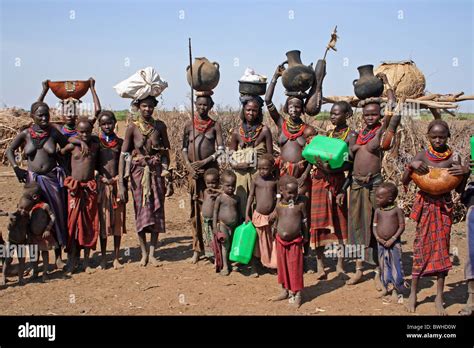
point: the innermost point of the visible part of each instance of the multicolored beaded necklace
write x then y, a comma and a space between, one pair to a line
293, 130
249, 134
39, 135
69, 131
108, 141
367, 134
435, 156
340, 134
202, 126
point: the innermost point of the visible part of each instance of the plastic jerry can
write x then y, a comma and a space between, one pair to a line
243, 243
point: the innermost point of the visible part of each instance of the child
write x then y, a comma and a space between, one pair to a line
42, 220
211, 179
18, 231
263, 190
328, 204
433, 214
292, 232
83, 219
111, 208
388, 226
225, 219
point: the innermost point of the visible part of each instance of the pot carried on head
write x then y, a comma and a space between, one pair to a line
205, 75
437, 182
368, 85
69, 89
297, 77
252, 83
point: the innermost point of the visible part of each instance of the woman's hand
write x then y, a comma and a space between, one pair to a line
198, 164
279, 70
92, 82
420, 167
123, 192
301, 180
247, 219
45, 84
84, 147
458, 169
21, 174
383, 77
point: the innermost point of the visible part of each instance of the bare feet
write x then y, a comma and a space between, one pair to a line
377, 281
295, 300
439, 306
3, 282
144, 261
321, 275
45, 277
383, 293
117, 264
60, 264
89, 270
254, 272
467, 311
224, 272
195, 258
154, 262
103, 265
356, 279
340, 270
411, 304
282, 296
21, 282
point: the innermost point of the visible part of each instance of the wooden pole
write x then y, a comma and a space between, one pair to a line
196, 204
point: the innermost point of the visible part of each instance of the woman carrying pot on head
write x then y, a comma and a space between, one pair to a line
41, 142
292, 135
249, 141
145, 147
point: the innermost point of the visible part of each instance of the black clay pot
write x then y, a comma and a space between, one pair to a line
368, 85
297, 77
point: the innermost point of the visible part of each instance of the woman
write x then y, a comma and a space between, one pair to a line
328, 202
145, 141
40, 146
291, 138
433, 214
249, 141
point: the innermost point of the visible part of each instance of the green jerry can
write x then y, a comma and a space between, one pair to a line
332, 150
243, 243
472, 151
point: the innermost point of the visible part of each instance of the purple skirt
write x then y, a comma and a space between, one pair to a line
55, 195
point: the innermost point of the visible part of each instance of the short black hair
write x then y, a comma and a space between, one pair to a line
439, 123
107, 113
286, 180
285, 106
83, 119
228, 174
345, 106
212, 171
391, 188
268, 157
36, 105
209, 99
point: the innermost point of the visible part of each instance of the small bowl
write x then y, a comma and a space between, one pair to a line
252, 88
69, 89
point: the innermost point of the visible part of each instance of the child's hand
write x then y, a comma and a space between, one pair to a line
389, 243
247, 219
272, 217
46, 234
84, 148
340, 199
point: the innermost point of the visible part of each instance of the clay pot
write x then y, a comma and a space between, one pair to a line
437, 182
252, 88
205, 74
69, 89
368, 85
297, 77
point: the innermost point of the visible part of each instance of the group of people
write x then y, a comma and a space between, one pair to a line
82, 182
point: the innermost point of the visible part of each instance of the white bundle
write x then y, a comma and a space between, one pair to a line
145, 82
251, 76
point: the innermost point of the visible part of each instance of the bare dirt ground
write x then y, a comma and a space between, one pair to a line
178, 287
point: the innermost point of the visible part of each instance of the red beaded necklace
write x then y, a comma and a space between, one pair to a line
202, 126
367, 134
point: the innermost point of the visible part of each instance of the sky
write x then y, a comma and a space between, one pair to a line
111, 40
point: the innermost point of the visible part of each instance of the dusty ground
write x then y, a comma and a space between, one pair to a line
178, 287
